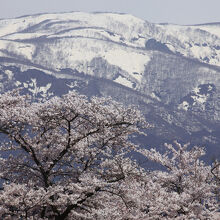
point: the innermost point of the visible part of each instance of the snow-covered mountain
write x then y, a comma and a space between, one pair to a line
198, 41
171, 72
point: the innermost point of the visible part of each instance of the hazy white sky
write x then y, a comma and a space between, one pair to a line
172, 11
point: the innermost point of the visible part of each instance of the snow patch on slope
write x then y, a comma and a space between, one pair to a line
184, 106
198, 97
123, 81
129, 61
32, 87
10, 74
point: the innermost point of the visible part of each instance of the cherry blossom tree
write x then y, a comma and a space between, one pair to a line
60, 155
67, 158
187, 186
